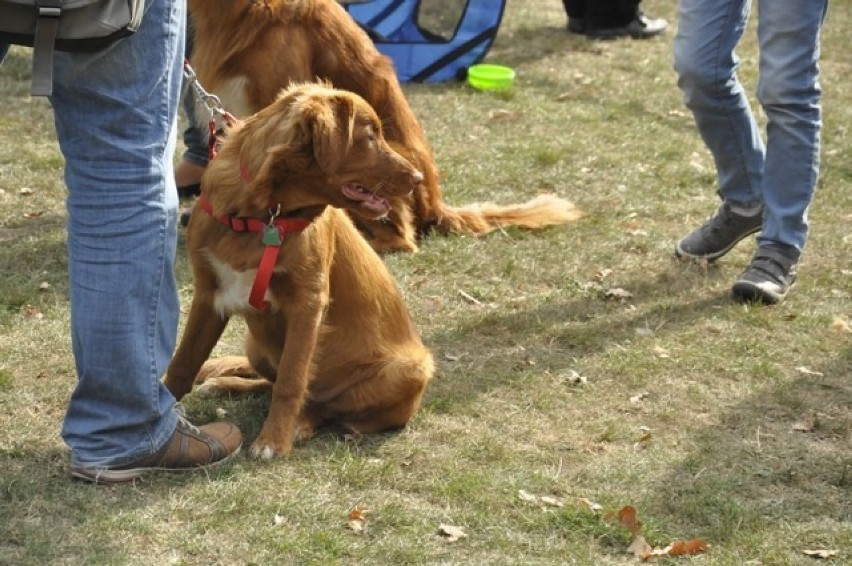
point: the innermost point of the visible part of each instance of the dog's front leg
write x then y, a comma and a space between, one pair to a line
290, 389
203, 328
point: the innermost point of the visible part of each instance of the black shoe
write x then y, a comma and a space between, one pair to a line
717, 236
642, 27
576, 25
189, 191
770, 275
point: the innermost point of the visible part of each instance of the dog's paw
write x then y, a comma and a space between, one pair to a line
267, 451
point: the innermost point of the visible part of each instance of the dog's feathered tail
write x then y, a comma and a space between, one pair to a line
482, 218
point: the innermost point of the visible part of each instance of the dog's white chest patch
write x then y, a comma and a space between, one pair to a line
234, 287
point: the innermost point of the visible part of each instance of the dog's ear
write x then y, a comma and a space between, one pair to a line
328, 122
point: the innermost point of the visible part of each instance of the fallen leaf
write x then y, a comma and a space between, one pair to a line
469, 298
684, 547
552, 501
640, 548
452, 533
806, 371
640, 397
603, 274
820, 553
840, 325
573, 378
526, 496
357, 521
643, 442
627, 518
618, 294
661, 352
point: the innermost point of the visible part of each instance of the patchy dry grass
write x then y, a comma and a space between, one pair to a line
749, 409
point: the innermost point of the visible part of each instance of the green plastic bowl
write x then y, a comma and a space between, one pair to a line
490, 77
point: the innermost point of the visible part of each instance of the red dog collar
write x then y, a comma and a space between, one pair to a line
271, 232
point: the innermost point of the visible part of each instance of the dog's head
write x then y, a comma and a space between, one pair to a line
318, 145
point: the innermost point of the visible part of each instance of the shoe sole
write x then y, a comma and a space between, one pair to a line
749, 292
106, 476
680, 253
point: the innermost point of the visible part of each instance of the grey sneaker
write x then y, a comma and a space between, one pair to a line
717, 236
769, 277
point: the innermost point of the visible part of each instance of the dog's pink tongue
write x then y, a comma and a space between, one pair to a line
369, 200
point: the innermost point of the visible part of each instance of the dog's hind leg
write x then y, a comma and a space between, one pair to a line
228, 365
385, 401
221, 384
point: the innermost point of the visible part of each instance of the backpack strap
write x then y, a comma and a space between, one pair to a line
47, 26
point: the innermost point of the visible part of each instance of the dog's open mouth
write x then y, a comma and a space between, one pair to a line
369, 200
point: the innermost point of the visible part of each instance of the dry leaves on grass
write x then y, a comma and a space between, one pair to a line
640, 548
451, 532
541, 500
357, 520
618, 294
820, 553
840, 325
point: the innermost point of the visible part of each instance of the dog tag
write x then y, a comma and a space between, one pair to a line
271, 237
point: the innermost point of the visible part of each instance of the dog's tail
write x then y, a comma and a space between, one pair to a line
481, 218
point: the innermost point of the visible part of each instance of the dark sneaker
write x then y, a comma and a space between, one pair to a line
718, 235
641, 27
770, 275
190, 448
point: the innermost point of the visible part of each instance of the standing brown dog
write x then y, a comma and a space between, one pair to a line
246, 51
328, 330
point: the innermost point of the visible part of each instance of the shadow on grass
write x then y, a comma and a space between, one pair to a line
782, 456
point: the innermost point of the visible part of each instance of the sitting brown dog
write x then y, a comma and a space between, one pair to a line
328, 330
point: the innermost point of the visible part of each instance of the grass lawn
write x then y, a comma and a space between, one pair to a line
581, 369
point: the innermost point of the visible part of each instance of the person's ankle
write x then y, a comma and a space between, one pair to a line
188, 173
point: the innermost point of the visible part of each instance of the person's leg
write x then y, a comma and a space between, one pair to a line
576, 12
609, 19
789, 92
196, 155
115, 116
605, 14
706, 65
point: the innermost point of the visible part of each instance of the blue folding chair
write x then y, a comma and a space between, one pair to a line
420, 55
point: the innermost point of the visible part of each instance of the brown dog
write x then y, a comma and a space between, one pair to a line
245, 51
329, 333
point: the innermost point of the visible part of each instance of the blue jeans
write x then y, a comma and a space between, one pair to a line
782, 174
194, 136
115, 113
